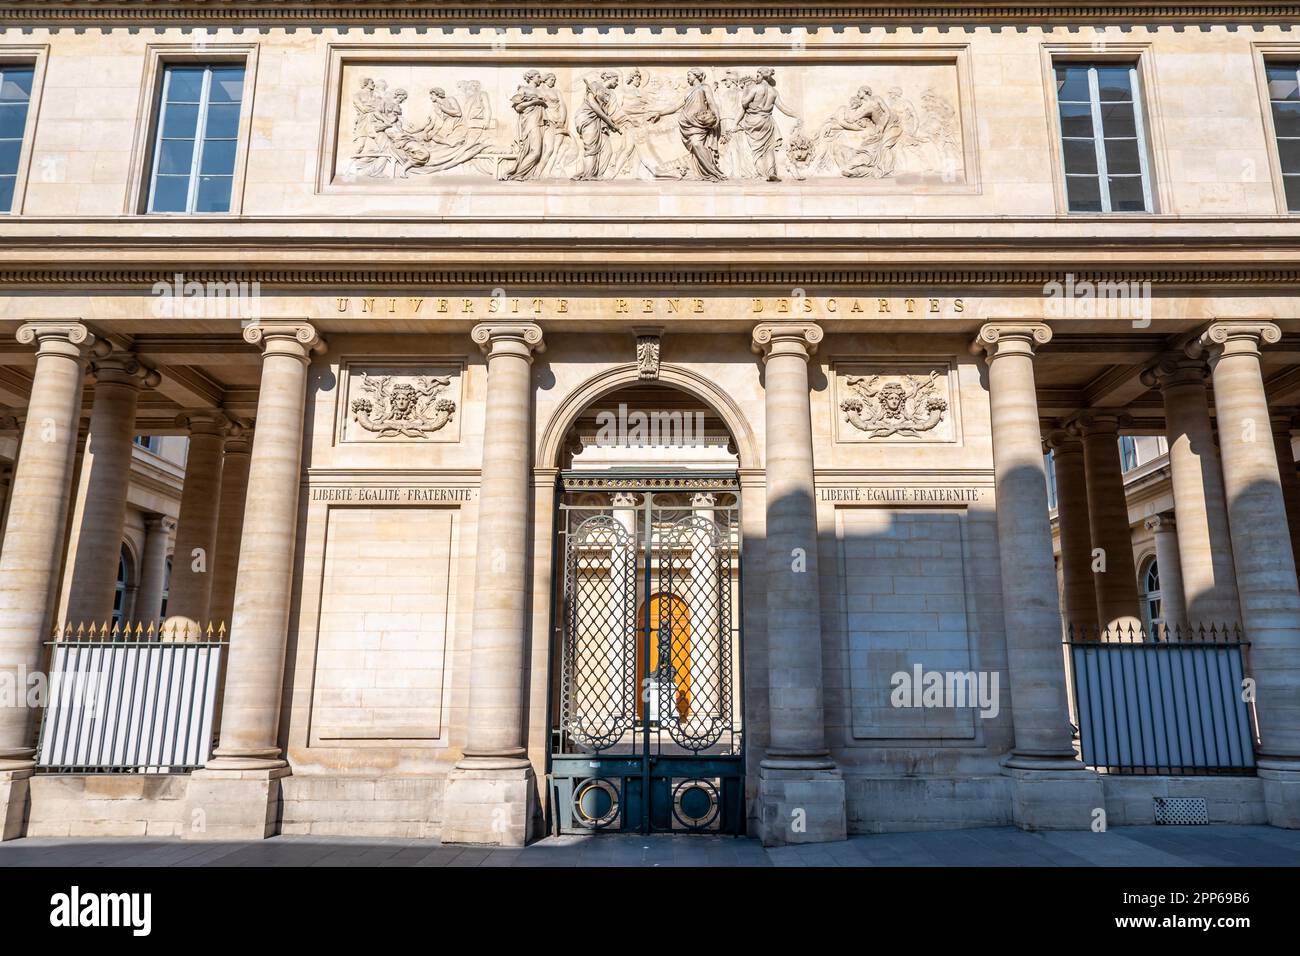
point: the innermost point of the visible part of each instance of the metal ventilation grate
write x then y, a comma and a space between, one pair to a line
1182, 811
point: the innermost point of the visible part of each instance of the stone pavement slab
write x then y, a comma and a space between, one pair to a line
997, 846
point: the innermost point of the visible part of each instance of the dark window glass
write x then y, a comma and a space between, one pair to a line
197, 144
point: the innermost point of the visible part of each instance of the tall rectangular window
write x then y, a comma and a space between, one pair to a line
1103, 141
1284, 98
15, 95
198, 136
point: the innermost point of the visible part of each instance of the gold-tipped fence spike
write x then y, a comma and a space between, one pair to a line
221, 631
210, 632
115, 630
148, 634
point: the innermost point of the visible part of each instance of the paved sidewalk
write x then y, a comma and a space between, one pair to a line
1001, 846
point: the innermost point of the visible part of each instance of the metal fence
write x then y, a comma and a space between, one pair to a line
1171, 702
130, 700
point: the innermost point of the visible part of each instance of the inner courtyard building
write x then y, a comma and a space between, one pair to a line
485, 421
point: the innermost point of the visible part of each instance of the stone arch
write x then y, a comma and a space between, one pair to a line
551, 446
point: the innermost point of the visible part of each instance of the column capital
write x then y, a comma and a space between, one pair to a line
1233, 337
239, 437
1156, 523
1098, 422
786, 338
11, 420
703, 499
623, 499
165, 524
1283, 423
996, 339
122, 368
297, 339
204, 421
1174, 369
498, 338
61, 337
1062, 441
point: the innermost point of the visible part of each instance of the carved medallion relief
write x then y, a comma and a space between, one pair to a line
898, 402
399, 402
896, 122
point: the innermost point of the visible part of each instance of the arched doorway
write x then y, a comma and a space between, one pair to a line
646, 676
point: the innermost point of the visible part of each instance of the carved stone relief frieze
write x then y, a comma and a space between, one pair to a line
899, 122
394, 402
904, 402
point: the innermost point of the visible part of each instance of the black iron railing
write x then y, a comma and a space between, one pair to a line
130, 699
1170, 702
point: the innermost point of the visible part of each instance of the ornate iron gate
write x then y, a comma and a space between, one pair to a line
648, 736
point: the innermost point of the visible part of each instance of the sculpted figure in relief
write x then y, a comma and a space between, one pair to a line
700, 123
530, 138
758, 124
595, 125
906, 407
385, 145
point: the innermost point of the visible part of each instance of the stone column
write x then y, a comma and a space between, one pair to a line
8, 423
1080, 591
1261, 550
29, 560
153, 571
801, 791
1052, 789
238, 789
189, 601
1204, 545
1173, 603
1117, 591
230, 523
1282, 425
495, 772
118, 380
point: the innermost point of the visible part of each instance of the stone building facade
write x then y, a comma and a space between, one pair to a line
419, 283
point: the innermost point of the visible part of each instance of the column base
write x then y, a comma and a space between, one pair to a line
1281, 783
232, 804
14, 786
491, 806
800, 805
1061, 795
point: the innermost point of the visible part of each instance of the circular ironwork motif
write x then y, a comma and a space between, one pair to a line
695, 803
595, 803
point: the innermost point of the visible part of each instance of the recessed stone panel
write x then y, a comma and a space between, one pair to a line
399, 401
380, 657
893, 401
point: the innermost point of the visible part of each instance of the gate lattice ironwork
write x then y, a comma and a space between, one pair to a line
649, 736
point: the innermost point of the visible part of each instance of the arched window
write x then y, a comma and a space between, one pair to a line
120, 589
1150, 581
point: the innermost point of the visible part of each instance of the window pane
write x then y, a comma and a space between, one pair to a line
176, 157
1076, 119
1288, 151
218, 157
1113, 83
6, 193
13, 120
214, 194
1122, 157
1072, 84
1126, 194
185, 84
1286, 118
1117, 120
1282, 81
17, 85
1080, 156
223, 120
180, 122
170, 193
227, 84
1084, 193
10, 150
1292, 186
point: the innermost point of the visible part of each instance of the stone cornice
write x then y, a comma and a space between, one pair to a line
386, 13
815, 280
